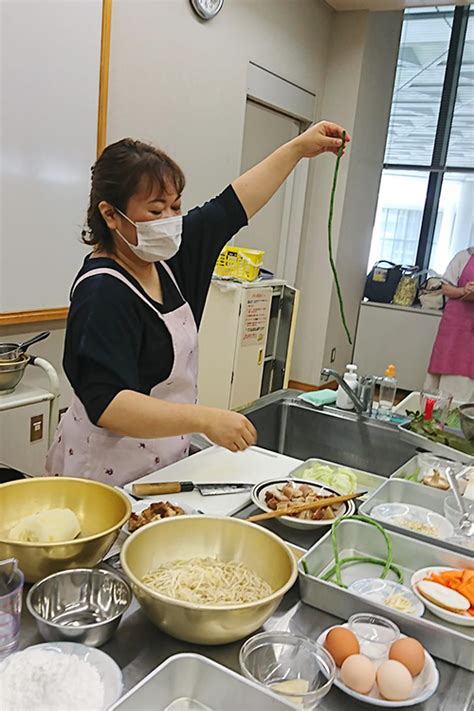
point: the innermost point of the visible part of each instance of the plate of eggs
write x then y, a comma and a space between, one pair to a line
395, 674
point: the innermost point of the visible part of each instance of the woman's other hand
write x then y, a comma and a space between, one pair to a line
323, 137
229, 429
453, 292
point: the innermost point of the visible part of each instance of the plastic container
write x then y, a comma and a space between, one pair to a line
273, 658
350, 376
10, 613
436, 406
239, 263
375, 634
388, 389
453, 512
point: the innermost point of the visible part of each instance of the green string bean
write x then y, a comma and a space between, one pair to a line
334, 574
331, 258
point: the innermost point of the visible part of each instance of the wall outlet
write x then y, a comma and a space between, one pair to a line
36, 428
333, 355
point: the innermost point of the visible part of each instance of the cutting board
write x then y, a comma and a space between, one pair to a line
219, 465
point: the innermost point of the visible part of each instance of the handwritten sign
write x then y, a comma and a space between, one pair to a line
255, 318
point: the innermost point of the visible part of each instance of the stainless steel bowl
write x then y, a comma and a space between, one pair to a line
11, 372
466, 416
228, 539
81, 605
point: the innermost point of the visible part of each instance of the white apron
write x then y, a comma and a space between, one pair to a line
80, 449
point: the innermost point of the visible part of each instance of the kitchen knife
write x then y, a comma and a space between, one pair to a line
177, 487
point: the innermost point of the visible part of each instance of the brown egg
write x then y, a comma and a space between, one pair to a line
410, 653
341, 643
394, 681
358, 673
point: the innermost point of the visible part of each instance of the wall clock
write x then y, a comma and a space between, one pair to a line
207, 9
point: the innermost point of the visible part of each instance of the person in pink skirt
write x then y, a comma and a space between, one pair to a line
451, 368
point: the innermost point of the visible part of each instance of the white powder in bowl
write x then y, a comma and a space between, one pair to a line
46, 680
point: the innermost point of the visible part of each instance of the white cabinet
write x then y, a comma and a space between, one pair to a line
25, 429
396, 334
245, 341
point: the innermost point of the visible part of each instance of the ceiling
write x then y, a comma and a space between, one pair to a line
389, 4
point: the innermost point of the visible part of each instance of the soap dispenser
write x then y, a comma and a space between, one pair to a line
350, 376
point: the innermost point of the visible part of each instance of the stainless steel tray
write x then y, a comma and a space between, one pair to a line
412, 465
449, 642
366, 480
191, 682
409, 492
443, 450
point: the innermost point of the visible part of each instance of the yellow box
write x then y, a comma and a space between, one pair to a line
239, 263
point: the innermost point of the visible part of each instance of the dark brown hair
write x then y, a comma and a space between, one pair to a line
117, 175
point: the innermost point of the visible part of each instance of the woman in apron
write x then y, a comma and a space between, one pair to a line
451, 367
131, 349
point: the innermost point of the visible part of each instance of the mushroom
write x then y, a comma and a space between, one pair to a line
436, 481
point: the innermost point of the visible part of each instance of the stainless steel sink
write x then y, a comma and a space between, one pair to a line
289, 426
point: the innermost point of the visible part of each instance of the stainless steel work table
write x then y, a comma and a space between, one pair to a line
138, 647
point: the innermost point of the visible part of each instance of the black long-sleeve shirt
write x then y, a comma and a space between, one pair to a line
114, 341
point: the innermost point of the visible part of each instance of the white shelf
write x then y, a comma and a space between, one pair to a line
411, 309
24, 395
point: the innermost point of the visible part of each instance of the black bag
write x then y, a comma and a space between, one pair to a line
382, 281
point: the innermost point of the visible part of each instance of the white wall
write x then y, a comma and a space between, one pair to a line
361, 67
181, 83
49, 71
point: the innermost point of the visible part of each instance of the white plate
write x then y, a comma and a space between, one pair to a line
391, 512
139, 506
424, 685
109, 671
377, 590
258, 498
453, 617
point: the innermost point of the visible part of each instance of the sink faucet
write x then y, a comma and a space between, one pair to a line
363, 401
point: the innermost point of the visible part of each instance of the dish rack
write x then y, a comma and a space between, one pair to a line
239, 263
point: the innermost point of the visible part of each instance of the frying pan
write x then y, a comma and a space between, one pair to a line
13, 351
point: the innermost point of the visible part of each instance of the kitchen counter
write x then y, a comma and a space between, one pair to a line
403, 335
138, 647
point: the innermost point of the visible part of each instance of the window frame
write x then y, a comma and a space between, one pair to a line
438, 167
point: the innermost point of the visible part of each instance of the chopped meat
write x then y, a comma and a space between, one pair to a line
306, 490
278, 495
298, 494
288, 491
153, 512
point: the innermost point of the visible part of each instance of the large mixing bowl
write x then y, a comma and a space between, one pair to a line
228, 539
101, 510
11, 372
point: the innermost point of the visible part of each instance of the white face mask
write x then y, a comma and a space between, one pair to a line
157, 240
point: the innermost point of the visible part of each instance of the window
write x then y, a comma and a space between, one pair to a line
425, 211
399, 215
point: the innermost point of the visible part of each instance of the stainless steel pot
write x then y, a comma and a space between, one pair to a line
11, 372
80, 605
14, 351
